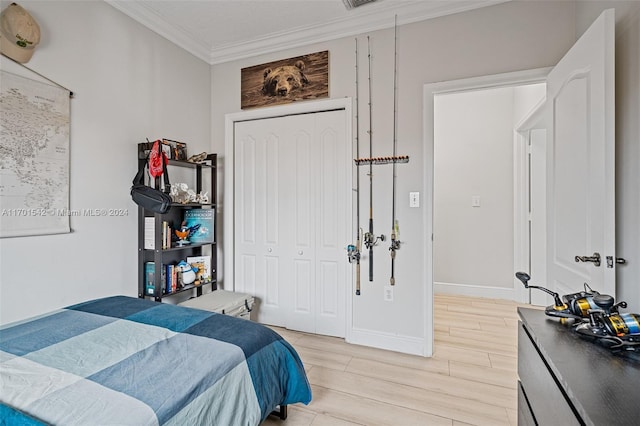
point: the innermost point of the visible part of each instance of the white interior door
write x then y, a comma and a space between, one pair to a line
291, 217
258, 237
580, 162
332, 224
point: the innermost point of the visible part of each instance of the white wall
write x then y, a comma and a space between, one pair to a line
473, 151
128, 87
474, 148
129, 84
503, 38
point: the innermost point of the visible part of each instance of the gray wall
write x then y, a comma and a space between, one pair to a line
127, 87
473, 248
503, 38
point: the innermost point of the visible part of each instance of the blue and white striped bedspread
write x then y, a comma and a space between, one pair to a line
128, 361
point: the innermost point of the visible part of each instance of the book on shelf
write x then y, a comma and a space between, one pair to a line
149, 278
166, 235
169, 285
149, 233
201, 223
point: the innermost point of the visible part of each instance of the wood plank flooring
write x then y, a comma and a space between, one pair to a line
470, 380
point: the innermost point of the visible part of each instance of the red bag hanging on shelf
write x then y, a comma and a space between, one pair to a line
156, 159
153, 199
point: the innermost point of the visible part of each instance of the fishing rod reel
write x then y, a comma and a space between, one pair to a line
614, 330
597, 316
395, 245
395, 242
353, 254
371, 240
574, 305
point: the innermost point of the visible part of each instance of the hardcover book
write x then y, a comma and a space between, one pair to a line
201, 225
149, 233
149, 278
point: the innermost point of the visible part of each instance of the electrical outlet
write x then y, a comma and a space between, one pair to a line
388, 293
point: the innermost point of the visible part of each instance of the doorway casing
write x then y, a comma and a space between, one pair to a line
521, 249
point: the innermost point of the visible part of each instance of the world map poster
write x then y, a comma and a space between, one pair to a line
34, 157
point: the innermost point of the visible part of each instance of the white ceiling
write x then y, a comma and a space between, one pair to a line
219, 31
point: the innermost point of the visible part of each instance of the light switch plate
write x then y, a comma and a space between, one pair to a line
475, 201
388, 293
414, 199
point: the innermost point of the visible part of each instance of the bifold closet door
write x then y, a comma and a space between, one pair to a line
291, 219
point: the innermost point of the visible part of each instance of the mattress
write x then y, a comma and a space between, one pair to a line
128, 361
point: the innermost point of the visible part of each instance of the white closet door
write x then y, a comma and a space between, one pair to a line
291, 218
332, 231
258, 239
300, 216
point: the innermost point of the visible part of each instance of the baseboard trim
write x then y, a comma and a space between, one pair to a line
475, 291
388, 341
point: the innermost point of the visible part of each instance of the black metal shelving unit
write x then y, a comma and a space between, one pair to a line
173, 254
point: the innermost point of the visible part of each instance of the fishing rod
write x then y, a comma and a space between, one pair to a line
353, 252
395, 242
370, 239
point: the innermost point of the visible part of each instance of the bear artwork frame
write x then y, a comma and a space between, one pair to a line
285, 81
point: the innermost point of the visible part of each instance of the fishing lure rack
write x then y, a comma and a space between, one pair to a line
381, 160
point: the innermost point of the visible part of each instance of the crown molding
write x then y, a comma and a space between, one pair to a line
141, 13
372, 17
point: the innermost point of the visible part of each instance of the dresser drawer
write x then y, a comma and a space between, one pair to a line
525, 416
547, 401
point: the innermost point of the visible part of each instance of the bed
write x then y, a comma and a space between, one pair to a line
128, 361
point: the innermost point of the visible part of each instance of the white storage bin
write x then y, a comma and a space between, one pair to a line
223, 302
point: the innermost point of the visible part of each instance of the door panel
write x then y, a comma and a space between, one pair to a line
258, 245
302, 217
272, 193
580, 159
332, 232
247, 198
328, 289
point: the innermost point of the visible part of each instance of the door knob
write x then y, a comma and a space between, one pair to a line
300, 252
595, 259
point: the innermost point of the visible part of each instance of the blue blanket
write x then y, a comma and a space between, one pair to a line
122, 360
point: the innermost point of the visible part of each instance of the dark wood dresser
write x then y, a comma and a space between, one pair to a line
567, 380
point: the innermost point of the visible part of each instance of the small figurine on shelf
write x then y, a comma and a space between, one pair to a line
202, 197
184, 233
188, 274
198, 158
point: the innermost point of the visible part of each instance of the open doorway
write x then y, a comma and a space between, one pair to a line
481, 198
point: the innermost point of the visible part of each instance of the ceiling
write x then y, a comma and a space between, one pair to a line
219, 31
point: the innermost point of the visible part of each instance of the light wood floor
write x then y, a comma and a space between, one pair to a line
470, 380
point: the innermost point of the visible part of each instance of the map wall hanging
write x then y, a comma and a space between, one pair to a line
34, 157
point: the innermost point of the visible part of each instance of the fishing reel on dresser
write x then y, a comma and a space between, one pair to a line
612, 329
575, 305
596, 316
